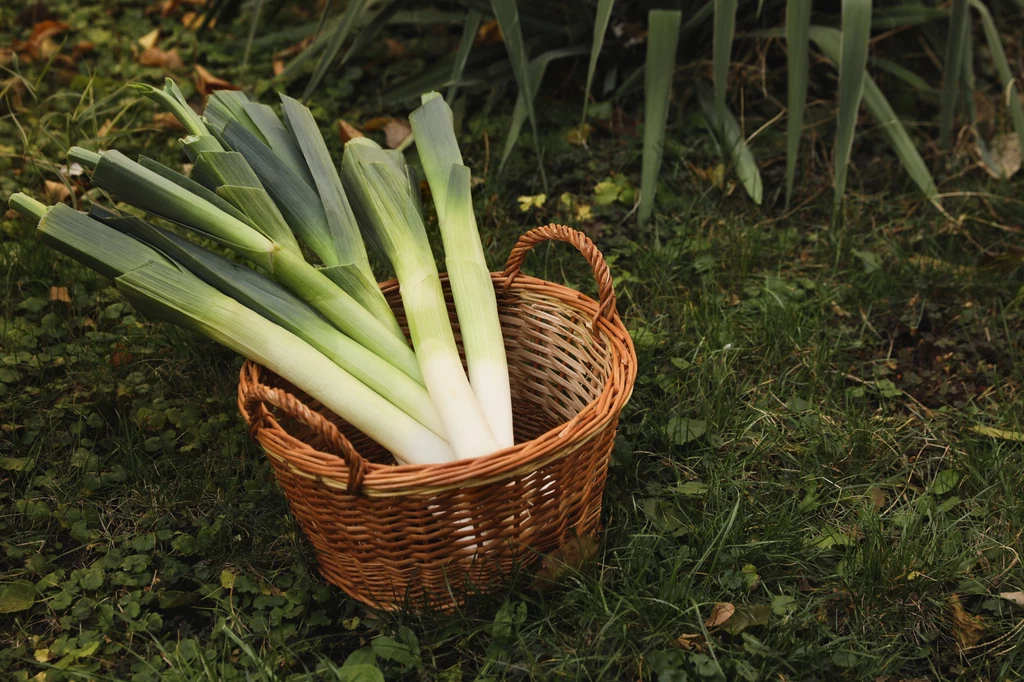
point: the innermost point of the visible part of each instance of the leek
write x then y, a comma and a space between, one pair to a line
468, 273
280, 306
182, 299
155, 194
347, 261
379, 191
276, 172
157, 286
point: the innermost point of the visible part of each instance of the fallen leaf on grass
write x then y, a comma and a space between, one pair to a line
747, 616
1003, 158
149, 40
969, 630
192, 20
55, 192
167, 121
394, 48
81, 48
119, 356
1015, 597
164, 59
527, 202
396, 130
347, 131
569, 557
692, 642
40, 43
489, 33
60, 294
279, 57
206, 82
721, 613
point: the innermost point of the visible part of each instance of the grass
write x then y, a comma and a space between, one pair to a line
800, 443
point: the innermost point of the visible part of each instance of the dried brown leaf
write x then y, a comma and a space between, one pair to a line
167, 121
192, 20
569, 557
60, 294
394, 48
692, 642
106, 128
347, 131
82, 47
1004, 152
489, 33
721, 613
969, 630
1015, 597
396, 131
149, 40
206, 82
55, 192
40, 44
164, 59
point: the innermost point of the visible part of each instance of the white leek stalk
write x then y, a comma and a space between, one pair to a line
185, 300
470, 278
378, 189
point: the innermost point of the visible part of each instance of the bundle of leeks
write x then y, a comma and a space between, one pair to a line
265, 186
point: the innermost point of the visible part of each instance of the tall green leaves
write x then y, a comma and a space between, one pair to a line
1006, 78
798, 23
853, 66
724, 32
537, 67
473, 18
604, 12
959, 26
507, 15
829, 42
348, 21
733, 148
662, 40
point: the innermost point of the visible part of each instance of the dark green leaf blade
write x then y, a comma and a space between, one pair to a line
662, 40
723, 35
604, 13
798, 23
952, 69
473, 18
853, 66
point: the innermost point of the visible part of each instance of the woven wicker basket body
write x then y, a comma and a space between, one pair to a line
412, 536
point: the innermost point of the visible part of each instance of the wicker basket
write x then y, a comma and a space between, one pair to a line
416, 536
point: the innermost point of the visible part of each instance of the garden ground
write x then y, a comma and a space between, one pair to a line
820, 472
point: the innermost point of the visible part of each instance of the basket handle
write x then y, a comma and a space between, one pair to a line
258, 395
554, 232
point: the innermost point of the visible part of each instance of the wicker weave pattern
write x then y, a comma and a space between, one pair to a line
407, 536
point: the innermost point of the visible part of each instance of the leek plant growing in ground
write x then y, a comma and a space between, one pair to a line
264, 188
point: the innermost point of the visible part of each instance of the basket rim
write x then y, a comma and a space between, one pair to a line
387, 480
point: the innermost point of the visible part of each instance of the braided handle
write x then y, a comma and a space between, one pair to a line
553, 232
258, 395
